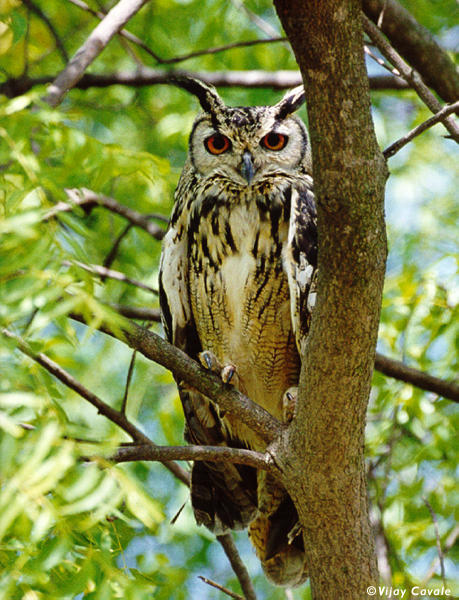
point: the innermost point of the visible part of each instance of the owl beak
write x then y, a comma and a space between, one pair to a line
247, 167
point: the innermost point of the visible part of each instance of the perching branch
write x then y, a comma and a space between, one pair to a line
240, 456
409, 74
144, 76
230, 400
118, 16
440, 116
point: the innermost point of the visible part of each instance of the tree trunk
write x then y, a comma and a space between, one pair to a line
321, 455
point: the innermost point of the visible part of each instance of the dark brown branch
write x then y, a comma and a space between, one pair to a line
239, 568
240, 456
41, 15
185, 369
87, 199
217, 49
417, 46
176, 59
397, 370
278, 80
397, 145
104, 409
110, 274
408, 74
128, 382
138, 312
118, 16
113, 252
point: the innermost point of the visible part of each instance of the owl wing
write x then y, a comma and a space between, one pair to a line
223, 496
301, 259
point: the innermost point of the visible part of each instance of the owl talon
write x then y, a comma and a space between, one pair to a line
210, 361
294, 532
227, 373
289, 404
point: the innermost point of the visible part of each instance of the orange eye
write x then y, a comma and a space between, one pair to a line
274, 141
217, 143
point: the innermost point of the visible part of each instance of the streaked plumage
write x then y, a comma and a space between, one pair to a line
237, 267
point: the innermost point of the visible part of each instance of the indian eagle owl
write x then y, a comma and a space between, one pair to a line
236, 290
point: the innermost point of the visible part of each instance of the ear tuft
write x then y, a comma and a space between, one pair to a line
290, 103
206, 94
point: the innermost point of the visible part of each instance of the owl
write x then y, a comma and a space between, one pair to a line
236, 288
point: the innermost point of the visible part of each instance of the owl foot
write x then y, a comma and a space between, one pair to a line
211, 362
289, 404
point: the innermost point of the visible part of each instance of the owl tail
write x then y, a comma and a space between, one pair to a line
276, 537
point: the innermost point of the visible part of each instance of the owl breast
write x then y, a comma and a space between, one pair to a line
239, 292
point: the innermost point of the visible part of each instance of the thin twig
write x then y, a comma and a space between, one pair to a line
450, 542
229, 547
118, 16
102, 407
441, 556
110, 274
410, 75
217, 49
128, 382
41, 15
397, 145
429, 383
112, 254
220, 587
88, 198
239, 456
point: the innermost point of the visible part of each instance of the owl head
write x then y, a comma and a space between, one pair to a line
246, 144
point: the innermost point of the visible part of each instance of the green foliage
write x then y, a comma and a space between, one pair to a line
74, 526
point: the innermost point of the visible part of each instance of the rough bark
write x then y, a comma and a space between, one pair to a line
417, 46
321, 456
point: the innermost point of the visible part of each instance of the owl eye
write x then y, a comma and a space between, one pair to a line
274, 141
217, 143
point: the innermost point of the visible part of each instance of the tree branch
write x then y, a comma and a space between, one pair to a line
440, 116
239, 568
417, 46
144, 76
93, 46
176, 59
138, 312
240, 456
110, 274
41, 15
103, 408
409, 74
185, 369
258, 460
87, 199
220, 587
398, 370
